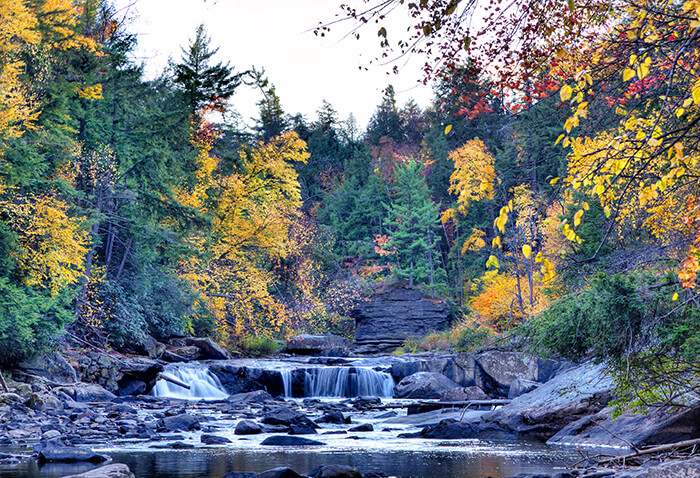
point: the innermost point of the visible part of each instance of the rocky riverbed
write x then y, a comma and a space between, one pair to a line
54, 424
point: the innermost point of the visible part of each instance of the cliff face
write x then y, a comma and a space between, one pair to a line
397, 314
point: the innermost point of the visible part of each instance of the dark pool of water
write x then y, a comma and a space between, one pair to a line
494, 461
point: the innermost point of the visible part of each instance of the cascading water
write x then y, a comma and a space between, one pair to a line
347, 382
203, 384
287, 382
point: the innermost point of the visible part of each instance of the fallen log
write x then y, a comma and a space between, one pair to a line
654, 449
3, 384
173, 381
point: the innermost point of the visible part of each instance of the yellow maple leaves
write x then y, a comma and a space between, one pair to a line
474, 175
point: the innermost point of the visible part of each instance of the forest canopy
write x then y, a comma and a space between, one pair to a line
549, 192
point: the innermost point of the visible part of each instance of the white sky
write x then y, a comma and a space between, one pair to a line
274, 35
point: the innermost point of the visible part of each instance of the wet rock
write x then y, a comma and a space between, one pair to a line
247, 427
132, 387
53, 451
91, 393
423, 385
282, 472
186, 353
571, 395
180, 422
289, 440
116, 470
176, 445
365, 427
335, 471
463, 394
210, 349
301, 429
288, 417
389, 414
240, 379
365, 403
137, 369
258, 396
327, 345
461, 368
10, 398
450, 430
214, 440
333, 417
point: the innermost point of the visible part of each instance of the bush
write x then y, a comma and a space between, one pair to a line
467, 339
28, 319
258, 346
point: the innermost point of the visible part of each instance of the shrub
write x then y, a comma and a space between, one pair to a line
465, 338
258, 346
28, 319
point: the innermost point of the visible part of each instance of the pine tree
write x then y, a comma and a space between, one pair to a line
414, 222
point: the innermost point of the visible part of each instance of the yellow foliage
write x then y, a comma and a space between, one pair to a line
52, 244
474, 175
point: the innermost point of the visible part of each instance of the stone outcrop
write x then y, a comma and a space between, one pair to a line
389, 318
656, 427
326, 345
423, 385
540, 414
115, 470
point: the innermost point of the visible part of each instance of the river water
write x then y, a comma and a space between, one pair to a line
378, 451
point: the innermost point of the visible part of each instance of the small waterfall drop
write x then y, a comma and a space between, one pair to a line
347, 382
203, 384
287, 382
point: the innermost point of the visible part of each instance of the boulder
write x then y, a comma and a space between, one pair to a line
149, 346
398, 314
184, 421
326, 345
88, 392
657, 427
461, 368
213, 439
137, 369
54, 451
423, 385
463, 394
241, 378
333, 417
288, 417
504, 367
448, 429
571, 395
185, 353
258, 396
520, 386
365, 427
282, 472
247, 427
115, 470
210, 349
335, 471
52, 366
289, 440
675, 469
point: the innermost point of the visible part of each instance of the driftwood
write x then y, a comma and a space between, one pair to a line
3, 384
173, 381
655, 449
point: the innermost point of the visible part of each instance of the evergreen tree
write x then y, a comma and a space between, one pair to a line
414, 222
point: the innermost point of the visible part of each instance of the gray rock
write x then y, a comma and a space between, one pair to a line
571, 395
184, 421
53, 451
327, 345
116, 470
333, 417
461, 368
10, 398
675, 469
289, 440
423, 385
242, 379
52, 366
398, 314
335, 471
365, 427
91, 393
258, 396
288, 417
520, 386
282, 472
657, 427
184, 353
448, 429
213, 439
504, 367
247, 427
463, 394
210, 349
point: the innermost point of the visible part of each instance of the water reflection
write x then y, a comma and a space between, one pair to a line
214, 463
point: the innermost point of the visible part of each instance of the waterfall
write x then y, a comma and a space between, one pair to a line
347, 382
203, 384
287, 382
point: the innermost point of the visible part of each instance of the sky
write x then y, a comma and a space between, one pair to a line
276, 35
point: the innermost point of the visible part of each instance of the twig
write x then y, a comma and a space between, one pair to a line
656, 449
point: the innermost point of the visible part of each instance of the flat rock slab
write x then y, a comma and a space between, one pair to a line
280, 440
116, 470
